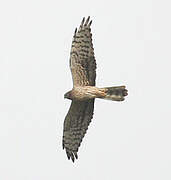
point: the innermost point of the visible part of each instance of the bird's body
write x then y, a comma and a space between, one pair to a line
84, 92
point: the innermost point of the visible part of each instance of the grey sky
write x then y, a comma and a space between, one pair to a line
125, 141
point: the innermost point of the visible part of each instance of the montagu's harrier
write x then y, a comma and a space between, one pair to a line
84, 92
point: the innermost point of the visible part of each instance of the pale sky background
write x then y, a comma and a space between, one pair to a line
125, 141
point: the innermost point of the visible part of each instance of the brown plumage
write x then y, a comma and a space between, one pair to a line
84, 92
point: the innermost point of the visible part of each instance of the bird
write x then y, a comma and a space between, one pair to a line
83, 69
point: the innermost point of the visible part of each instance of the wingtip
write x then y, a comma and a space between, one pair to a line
82, 21
63, 146
75, 31
90, 23
71, 155
75, 154
68, 156
88, 18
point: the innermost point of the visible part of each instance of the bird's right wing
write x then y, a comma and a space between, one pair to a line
82, 60
75, 126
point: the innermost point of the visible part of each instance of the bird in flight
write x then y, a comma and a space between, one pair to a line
84, 91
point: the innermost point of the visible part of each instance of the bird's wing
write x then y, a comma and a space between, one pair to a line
82, 60
75, 126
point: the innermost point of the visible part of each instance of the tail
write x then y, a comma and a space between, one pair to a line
116, 93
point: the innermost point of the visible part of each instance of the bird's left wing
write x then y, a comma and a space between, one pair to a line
82, 60
75, 126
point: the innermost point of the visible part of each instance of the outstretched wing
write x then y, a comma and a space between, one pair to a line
75, 125
82, 60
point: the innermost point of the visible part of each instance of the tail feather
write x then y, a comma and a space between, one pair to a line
116, 93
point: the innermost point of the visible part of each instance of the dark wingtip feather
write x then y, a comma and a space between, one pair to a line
75, 154
72, 157
87, 20
75, 31
63, 144
83, 21
68, 155
90, 23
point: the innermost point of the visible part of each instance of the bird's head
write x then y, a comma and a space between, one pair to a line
68, 95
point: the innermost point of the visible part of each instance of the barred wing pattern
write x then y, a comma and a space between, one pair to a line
75, 126
83, 69
82, 60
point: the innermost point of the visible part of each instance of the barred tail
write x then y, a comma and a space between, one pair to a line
116, 93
